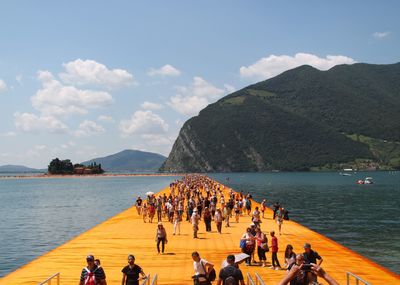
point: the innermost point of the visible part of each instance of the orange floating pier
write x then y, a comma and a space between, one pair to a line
126, 233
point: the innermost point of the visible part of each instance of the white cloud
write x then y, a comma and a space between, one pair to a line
28, 122
380, 35
89, 128
189, 100
82, 72
166, 70
273, 65
151, 106
57, 99
143, 122
9, 134
3, 85
104, 118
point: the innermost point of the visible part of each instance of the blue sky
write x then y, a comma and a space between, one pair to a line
81, 79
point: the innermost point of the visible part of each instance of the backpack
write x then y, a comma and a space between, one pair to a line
90, 277
242, 244
212, 275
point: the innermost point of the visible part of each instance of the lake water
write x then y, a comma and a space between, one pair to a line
38, 215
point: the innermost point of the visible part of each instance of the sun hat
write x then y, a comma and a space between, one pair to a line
159, 223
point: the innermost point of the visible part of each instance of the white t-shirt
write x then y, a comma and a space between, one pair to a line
199, 269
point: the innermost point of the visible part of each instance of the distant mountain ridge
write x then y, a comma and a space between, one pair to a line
129, 161
301, 119
19, 169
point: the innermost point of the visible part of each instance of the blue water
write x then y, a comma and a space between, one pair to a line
365, 218
38, 215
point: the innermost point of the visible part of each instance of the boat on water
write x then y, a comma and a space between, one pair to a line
367, 180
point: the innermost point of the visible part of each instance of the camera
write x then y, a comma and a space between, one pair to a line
306, 267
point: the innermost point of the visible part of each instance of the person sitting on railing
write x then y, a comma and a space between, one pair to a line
92, 274
130, 273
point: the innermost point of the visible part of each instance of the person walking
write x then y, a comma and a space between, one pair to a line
130, 273
159, 207
249, 238
218, 220
207, 219
92, 274
202, 269
230, 275
138, 204
177, 222
195, 222
275, 208
279, 219
161, 237
263, 207
144, 211
262, 246
274, 250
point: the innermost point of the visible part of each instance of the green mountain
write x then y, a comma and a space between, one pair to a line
129, 161
302, 119
19, 169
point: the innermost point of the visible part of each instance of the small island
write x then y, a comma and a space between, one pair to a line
66, 167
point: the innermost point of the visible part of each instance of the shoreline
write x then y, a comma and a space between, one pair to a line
45, 175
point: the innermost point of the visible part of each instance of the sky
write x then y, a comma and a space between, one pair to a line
86, 79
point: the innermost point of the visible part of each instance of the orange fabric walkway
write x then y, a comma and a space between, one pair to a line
126, 233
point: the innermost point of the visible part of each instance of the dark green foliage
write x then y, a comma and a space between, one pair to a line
63, 167
57, 166
298, 120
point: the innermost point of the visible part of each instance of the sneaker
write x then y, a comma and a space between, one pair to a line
277, 268
272, 267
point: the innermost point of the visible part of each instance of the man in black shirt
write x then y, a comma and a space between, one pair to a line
311, 256
130, 273
230, 275
92, 272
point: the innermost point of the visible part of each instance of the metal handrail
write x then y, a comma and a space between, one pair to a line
250, 280
154, 282
349, 274
146, 281
48, 280
259, 280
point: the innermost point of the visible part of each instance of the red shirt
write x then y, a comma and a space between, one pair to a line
274, 244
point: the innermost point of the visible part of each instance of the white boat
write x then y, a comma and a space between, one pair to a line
367, 180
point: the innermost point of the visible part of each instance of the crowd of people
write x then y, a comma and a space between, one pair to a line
198, 199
